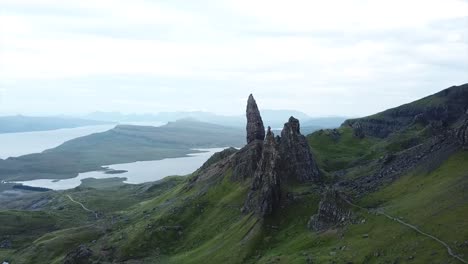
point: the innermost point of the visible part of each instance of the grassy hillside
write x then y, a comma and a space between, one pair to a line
169, 224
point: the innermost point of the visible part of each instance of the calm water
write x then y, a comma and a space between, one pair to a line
138, 172
17, 144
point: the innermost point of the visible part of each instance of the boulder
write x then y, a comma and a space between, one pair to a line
81, 255
333, 210
5, 244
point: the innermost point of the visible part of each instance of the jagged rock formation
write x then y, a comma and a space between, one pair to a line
255, 128
284, 159
333, 210
265, 194
268, 164
296, 157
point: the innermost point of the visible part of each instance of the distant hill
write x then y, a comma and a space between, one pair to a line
122, 144
273, 118
324, 122
12, 124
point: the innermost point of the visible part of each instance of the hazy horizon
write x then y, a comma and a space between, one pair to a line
77, 57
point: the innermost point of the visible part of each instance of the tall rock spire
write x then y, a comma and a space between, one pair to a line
297, 159
265, 194
255, 128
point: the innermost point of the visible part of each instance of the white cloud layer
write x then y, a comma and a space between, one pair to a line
338, 57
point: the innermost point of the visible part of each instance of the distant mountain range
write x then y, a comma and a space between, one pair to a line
273, 118
13, 124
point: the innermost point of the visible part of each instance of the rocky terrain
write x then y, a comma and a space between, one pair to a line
388, 188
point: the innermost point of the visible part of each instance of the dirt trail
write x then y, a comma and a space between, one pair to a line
381, 212
84, 207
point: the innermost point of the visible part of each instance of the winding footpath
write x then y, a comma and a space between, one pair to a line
381, 212
84, 207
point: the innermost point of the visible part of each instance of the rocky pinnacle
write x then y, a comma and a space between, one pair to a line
265, 194
297, 159
255, 128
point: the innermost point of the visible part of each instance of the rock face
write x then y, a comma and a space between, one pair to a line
245, 162
255, 128
390, 167
296, 157
462, 134
438, 110
333, 210
265, 194
80, 255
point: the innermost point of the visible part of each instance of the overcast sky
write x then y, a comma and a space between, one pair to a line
325, 58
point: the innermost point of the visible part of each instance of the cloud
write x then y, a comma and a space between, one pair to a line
294, 54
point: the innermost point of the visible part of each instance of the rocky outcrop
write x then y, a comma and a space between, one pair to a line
297, 161
213, 169
284, 160
428, 155
265, 194
5, 244
439, 111
373, 127
81, 255
255, 128
218, 156
333, 210
268, 164
462, 134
